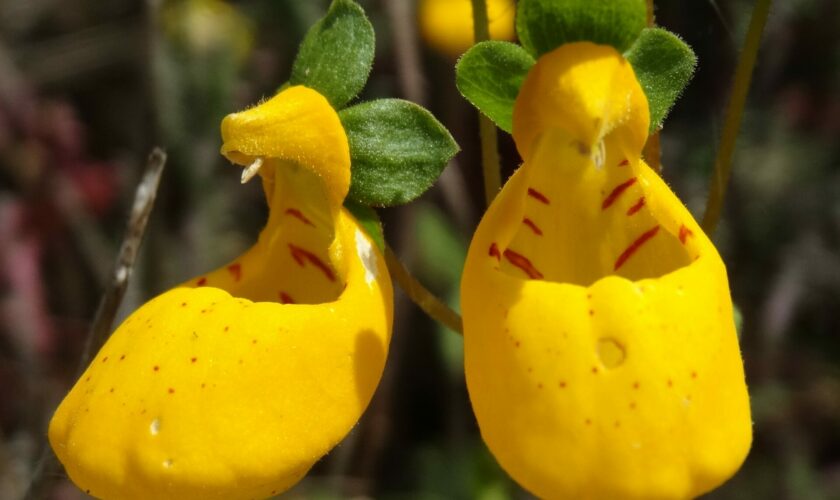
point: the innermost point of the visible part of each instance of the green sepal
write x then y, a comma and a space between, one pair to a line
397, 151
489, 76
664, 65
369, 220
336, 54
544, 25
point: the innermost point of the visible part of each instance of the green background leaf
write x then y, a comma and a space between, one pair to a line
664, 65
397, 149
544, 25
489, 76
336, 55
369, 220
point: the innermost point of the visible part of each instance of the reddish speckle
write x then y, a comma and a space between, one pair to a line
235, 270
562, 384
617, 424
670, 383
105, 359
227, 328
539, 386
294, 212
87, 379
629, 251
624, 163
517, 343
254, 341
591, 312
494, 251
171, 390
685, 233
528, 222
636, 206
285, 298
633, 405
635, 385
122, 357
523, 263
193, 359
111, 390
183, 304
203, 385
588, 421
301, 256
616, 192
201, 281
533, 193
693, 374
594, 369
156, 368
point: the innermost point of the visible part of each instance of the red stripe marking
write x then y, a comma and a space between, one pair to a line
685, 233
533, 193
637, 206
235, 270
523, 263
629, 251
301, 256
528, 222
494, 251
294, 212
201, 281
609, 200
285, 298
624, 163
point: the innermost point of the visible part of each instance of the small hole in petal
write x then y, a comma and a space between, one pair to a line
154, 427
611, 352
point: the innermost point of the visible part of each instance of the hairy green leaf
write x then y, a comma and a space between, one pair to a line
489, 76
664, 65
397, 149
336, 55
369, 220
544, 25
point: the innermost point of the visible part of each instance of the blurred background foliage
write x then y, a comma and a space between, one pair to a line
88, 87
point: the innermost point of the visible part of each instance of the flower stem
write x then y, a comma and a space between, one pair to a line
489, 140
734, 113
420, 295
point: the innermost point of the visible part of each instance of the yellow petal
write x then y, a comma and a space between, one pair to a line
600, 350
447, 25
234, 384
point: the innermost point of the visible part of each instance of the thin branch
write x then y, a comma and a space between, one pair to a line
734, 113
489, 140
144, 197
420, 295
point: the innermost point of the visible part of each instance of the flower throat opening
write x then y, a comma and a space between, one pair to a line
585, 216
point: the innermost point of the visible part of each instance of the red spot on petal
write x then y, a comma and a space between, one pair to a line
294, 212
588, 421
533, 193
227, 328
285, 298
523, 263
201, 282
616, 192
693, 374
636, 206
624, 163
235, 270
594, 369
183, 304
156, 368
685, 233
193, 359
562, 385
528, 222
670, 383
301, 256
105, 359
171, 390
122, 357
629, 251
635, 385
494, 251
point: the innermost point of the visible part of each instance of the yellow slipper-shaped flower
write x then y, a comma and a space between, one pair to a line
447, 25
234, 384
600, 348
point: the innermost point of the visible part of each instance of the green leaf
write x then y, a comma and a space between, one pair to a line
369, 220
336, 55
489, 76
397, 151
663, 64
544, 25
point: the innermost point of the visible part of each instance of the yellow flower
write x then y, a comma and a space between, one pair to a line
234, 384
447, 25
600, 348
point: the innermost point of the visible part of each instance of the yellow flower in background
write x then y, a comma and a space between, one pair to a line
208, 26
600, 349
447, 25
234, 384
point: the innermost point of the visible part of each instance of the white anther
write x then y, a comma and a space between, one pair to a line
599, 156
251, 170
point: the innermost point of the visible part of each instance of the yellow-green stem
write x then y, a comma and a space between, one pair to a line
734, 113
489, 139
420, 295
